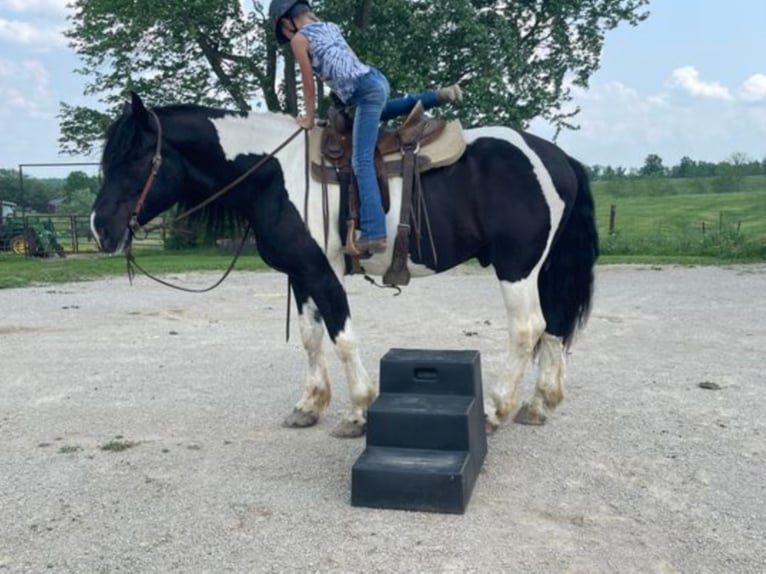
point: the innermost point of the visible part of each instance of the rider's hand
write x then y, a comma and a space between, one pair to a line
306, 122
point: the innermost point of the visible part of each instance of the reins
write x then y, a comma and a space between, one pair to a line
157, 160
135, 227
132, 263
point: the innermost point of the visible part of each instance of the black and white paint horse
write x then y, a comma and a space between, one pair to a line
513, 201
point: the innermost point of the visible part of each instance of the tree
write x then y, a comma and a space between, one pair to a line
653, 165
202, 51
78, 181
78, 202
35, 194
516, 60
686, 168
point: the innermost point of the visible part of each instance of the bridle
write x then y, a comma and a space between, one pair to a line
155, 168
156, 162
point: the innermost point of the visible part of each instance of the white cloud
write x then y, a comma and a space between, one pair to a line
28, 34
754, 88
621, 125
38, 6
688, 79
24, 89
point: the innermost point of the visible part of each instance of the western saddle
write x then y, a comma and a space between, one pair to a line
403, 152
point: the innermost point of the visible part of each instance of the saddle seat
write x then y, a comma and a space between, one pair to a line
440, 143
420, 143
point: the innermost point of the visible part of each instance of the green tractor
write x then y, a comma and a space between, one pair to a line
36, 238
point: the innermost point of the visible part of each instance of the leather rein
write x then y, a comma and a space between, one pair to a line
156, 162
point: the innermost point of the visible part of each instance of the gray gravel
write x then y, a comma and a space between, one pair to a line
640, 470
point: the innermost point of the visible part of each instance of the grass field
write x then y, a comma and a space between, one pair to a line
678, 227
16, 271
727, 225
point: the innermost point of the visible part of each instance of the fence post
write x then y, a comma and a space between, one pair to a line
612, 217
73, 230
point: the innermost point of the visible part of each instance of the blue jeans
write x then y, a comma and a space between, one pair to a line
403, 106
373, 106
369, 99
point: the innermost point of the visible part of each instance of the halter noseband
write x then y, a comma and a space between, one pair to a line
156, 162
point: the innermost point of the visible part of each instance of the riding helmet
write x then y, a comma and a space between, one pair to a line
279, 9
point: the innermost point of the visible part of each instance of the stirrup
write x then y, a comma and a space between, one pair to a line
352, 250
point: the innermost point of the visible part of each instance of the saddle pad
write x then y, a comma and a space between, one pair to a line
444, 150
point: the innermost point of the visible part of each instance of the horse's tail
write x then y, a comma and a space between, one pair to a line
566, 281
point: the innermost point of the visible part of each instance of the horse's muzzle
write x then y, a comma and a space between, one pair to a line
110, 241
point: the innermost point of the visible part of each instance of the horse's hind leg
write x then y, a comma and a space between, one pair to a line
525, 326
549, 390
316, 390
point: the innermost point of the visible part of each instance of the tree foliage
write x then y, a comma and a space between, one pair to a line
516, 60
35, 193
735, 168
653, 165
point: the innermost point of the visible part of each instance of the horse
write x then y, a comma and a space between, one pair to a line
512, 200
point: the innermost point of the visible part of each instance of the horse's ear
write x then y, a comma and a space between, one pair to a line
138, 109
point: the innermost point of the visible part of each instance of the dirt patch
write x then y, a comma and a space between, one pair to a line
654, 462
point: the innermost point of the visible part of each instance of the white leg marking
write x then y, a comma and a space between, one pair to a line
549, 390
316, 391
93, 228
525, 326
361, 390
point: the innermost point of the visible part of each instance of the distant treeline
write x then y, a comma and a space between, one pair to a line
738, 165
73, 194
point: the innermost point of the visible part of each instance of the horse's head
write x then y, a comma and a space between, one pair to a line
134, 182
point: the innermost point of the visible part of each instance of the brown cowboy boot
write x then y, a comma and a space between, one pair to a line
450, 94
365, 248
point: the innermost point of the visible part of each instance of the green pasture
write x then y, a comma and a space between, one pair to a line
728, 226
678, 227
18, 271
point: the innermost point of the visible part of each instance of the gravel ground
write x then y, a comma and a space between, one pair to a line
140, 432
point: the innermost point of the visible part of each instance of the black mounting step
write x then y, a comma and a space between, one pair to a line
423, 421
413, 479
431, 372
425, 433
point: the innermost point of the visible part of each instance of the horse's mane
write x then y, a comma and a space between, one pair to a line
218, 218
126, 134
119, 140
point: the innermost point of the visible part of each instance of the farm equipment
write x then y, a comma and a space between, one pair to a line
27, 235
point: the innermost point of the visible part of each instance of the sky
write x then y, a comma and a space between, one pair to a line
689, 81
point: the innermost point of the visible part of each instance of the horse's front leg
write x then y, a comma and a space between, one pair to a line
316, 389
324, 300
361, 390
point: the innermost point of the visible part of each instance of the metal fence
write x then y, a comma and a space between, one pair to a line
47, 235
26, 232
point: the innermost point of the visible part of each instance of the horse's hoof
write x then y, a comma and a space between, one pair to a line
299, 419
490, 427
349, 429
525, 416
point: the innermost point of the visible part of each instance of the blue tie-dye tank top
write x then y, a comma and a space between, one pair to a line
332, 58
